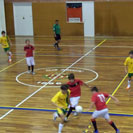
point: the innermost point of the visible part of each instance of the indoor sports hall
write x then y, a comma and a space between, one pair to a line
89, 38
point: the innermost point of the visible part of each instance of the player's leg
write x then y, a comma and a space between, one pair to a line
57, 38
74, 102
61, 124
28, 64
32, 64
56, 41
93, 120
129, 81
107, 118
9, 54
61, 114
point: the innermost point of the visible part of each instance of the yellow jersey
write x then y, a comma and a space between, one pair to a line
129, 63
4, 41
62, 100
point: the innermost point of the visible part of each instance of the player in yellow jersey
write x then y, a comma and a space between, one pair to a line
61, 101
5, 42
129, 68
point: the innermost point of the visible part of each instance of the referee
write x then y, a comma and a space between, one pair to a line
56, 29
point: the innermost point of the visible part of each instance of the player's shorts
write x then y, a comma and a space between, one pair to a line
101, 113
61, 111
130, 75
6, 49
58, 37
74, 101
30, 61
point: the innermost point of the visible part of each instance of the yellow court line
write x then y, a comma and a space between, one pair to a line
117, 88
11, 65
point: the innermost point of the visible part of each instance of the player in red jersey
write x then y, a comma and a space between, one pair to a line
99, 100
75, 92
29, 56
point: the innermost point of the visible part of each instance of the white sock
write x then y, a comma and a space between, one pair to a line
129, 83
60, 127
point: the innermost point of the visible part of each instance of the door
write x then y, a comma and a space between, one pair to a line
23, 18
88, 18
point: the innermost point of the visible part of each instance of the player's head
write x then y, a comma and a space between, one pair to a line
3, 33
27, 41
57, 21
131, 53
94, 89
71, 77
64, 88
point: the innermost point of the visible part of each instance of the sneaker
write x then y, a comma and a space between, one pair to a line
117, 131
55, 116
96, 131
33, 73
66, 119
28, 71
75, 113
128, 88
58, 49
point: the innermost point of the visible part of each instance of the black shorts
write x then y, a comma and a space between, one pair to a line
58, 37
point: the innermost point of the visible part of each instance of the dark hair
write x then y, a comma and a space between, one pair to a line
94, 89
27, 40
3, 32
56, 20
71, 76
64, 87
131, 52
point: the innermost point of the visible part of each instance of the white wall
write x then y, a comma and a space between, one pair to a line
88, 18
2, 16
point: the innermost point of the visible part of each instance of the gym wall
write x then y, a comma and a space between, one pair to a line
111, 18
114, 18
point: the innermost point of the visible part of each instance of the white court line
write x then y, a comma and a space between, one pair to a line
52, 79
48, 86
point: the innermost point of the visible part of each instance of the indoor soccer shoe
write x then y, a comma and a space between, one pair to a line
128, 88
96, 131
117, 131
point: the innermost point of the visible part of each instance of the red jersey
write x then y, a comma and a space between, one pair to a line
29, 50
75, 88
99, 100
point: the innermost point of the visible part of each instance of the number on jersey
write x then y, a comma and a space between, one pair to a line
101, 97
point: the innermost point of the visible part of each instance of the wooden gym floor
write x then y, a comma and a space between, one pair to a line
102, 66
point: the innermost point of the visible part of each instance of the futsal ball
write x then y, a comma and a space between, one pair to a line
79, 109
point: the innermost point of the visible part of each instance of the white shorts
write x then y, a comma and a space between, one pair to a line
101, 113
30, 61
74, 101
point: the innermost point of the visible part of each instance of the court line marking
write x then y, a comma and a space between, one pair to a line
17, 77
54, 110
11, 65
116, 89
53, 79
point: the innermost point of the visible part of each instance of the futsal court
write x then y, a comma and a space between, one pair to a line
92, 41
102, 67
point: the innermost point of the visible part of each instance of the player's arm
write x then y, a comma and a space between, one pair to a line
54, 30
126, 65
55, 100
114, 98
126, 69
86, 85
9, 41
